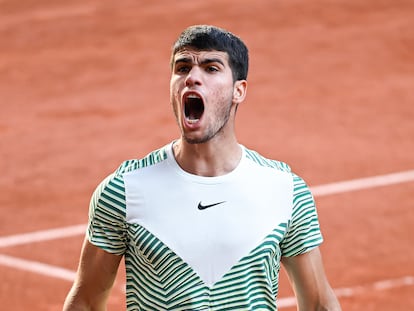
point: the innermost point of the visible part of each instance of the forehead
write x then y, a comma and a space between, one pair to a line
198, 57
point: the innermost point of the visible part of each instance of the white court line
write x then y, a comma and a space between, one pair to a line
363, 183
328, 189
43, 235
37, 267
322, 190
283, 302
356, 290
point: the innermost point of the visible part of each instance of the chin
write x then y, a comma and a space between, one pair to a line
196, 140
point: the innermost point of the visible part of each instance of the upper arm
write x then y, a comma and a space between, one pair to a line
307, 276
102, 249
95, 277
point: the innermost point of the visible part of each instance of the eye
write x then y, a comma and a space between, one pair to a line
212, 68
182, 69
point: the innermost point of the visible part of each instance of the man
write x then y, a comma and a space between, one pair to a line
203, 222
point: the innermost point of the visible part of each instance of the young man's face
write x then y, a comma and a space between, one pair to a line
202, 93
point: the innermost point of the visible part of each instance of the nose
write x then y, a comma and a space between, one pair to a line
193, 77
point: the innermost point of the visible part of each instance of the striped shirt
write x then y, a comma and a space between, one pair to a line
203, 243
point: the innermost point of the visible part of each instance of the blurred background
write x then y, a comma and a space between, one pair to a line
84, 85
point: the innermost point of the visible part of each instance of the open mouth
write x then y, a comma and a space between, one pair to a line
193, 108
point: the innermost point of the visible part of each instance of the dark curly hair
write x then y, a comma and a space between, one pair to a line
211, 38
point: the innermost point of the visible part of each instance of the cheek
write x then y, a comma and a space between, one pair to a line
224, 97
172, 89
174, 93
175, 88
175, 104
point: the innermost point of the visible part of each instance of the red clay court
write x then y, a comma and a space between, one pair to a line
84, 85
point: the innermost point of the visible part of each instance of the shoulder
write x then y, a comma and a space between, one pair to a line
111, 190
263, 161
299, 186
150, 159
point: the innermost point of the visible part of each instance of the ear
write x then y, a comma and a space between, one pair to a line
239, 91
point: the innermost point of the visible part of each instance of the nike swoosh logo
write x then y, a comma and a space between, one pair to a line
201, 206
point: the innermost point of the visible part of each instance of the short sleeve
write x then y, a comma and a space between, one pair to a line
304, 231
107, 226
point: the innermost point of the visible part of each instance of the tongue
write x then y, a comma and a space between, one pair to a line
193, 116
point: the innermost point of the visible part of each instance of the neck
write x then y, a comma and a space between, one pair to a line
208, 159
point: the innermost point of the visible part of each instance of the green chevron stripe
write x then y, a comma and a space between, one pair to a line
158, 279
259, 159
173, 285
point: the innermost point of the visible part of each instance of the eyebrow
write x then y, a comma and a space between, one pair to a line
205, 61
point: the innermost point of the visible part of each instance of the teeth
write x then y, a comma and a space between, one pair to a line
193, 96
192, 121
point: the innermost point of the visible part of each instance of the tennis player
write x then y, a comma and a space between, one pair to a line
203, 223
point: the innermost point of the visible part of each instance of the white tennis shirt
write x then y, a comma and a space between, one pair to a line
203, 243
